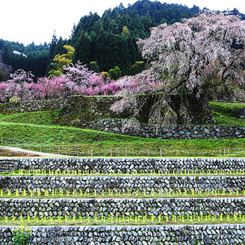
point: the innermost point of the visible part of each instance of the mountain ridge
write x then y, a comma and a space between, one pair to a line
109, 40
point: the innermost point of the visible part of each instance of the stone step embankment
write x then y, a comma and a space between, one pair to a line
145, 235
170, 132
121, 207
7, 164
78, 210
127, 165
123, 184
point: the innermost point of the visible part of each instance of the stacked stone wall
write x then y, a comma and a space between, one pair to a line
126, 165
119, 207
31, 106
143, 184
136, 235
171, 132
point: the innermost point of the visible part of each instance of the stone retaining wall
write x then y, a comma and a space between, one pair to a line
136, 235
93, 113
30, 106
122, 184
120, 207
126, 165
172, 132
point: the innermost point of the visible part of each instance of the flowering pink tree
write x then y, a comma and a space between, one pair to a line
77, 80
20, 76
184, 55
17, 86
54, 88
78, 73
132, 86
203, 56
90, 83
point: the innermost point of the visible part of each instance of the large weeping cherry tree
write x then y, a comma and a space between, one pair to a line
203, 56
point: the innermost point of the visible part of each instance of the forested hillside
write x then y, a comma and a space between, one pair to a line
106, 41
110, 40
30, 58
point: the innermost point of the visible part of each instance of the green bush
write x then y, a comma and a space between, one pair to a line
94, 66
3, 76
115, 73
106, 74
21, 235
14, 99
136, 68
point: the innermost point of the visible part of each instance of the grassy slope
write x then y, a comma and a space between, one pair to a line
39, 117
227, 113
37, 127
87, 139
57, 134
224, 113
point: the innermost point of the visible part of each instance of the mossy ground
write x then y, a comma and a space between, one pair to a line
227, 114
7, 153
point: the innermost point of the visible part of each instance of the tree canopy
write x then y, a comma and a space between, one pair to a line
32, 58
96, 38
61, 60
203, 57
110, 40
202, 52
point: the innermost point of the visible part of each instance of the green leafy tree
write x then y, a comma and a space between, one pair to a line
30, 58
105, 74
115, 73
125, 31
3, 76
94, 66
113, 27
61, 60
7, 54
136, 68
83, 49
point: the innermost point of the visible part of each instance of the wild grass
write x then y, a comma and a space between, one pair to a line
227, 114
119, 194
118, 173
131, 220
75, 141
38, 117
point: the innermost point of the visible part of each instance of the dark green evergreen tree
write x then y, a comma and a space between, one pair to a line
100, 39
94, 66
115, 73
83, 49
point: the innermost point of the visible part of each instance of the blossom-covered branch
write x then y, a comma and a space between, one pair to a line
182, 54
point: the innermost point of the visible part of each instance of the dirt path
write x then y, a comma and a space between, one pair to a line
10, 151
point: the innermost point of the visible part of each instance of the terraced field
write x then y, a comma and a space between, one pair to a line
175, 198
124, 200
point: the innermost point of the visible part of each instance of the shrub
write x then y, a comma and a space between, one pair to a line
94, 66
115, 73
21, 235
3, 76
105, 74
